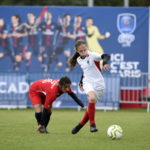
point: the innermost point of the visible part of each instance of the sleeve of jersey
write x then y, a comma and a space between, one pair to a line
96, 56
97, 32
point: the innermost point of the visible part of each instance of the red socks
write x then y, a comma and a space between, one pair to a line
85, 118
91, 111
89, 115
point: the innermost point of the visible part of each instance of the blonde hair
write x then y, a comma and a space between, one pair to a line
73, 59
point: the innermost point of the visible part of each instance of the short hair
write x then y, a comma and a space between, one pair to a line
30, 13
65, 15
78, 16
89, 18
64, 80
18, 17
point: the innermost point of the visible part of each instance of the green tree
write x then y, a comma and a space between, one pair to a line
75, 2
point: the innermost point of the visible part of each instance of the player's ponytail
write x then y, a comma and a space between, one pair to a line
73, 59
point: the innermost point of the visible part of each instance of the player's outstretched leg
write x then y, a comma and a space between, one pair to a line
82, 123
77, 128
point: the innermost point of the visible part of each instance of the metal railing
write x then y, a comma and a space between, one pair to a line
127, 92
135, 91
14, 89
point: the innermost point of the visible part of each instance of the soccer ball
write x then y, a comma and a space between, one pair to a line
107, 34
115, 132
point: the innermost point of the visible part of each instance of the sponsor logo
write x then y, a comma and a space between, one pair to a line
126, 24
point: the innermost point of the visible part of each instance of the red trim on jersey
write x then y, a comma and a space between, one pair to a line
97, 63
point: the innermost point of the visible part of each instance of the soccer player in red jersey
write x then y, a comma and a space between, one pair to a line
44, 92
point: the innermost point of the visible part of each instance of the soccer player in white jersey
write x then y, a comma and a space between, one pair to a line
93, 81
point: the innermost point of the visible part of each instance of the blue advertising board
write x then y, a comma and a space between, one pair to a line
41, 39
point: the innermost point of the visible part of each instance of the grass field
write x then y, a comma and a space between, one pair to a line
17, 131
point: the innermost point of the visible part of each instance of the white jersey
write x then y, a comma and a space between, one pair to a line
91, 71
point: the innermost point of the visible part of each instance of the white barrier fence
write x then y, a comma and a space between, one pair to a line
135, 92
120, 92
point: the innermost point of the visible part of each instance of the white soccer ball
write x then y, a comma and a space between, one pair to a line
107, 34
115, 132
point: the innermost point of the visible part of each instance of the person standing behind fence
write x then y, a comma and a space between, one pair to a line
45, 92
93, 81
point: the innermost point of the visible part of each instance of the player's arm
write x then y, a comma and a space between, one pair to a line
71, 36
81, 83
76, 99
106, 58
98, 34
57, 33
90, 35
96, 56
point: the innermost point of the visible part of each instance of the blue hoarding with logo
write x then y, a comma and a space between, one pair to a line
41, 39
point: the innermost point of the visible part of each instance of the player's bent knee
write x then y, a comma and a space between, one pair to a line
38, 108
92, 100
92, 97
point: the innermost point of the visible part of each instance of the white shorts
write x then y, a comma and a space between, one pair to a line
98, 90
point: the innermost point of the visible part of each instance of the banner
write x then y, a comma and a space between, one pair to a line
13, 90
41, 39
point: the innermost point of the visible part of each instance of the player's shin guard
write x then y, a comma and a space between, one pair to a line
91, 111
38, 117
48, 119
85, 118
45, 117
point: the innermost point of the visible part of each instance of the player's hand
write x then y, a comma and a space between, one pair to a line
81, 87
82, 106
4, 36
18, 35
106, 67
60, 21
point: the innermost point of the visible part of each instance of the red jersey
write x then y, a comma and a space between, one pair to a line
47, 87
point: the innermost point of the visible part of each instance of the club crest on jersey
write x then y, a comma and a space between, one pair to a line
126, 24
88, 62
